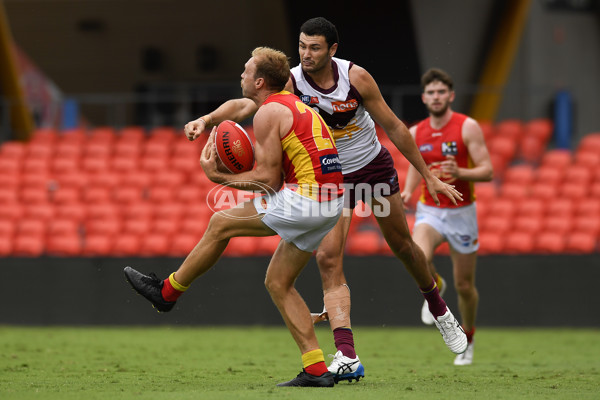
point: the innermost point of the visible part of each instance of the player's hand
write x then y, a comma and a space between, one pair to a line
449, 167
405, 196
194, 128
208, 157
436, 186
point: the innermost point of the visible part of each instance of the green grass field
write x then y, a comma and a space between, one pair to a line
247, 363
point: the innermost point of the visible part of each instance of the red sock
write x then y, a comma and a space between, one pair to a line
469, 334
437, 305
169, 293
317, 369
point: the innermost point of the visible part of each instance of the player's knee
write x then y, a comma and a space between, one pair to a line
275, 287
217, 228
464, 287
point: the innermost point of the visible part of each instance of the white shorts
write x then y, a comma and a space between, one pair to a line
458, 226
299, 219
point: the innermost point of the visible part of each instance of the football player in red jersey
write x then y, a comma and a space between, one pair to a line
293, 138
453, 147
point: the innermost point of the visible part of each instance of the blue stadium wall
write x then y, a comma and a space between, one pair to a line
514, 291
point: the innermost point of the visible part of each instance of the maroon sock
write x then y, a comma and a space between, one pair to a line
344, 341
437, 305
169, 293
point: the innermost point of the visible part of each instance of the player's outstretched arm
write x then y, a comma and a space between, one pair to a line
397, 132
235, 110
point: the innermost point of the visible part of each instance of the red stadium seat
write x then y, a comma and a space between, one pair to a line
590, 142
66, 245
74, 179
8, 195
74, 211
103, 226
165, 226
363, 243
136, 178
498, 223
587, 224
155, 244
589, 159
539, 128
132, 134
102, 134
588, 207
97, 195
12, 211
543, 191
514, 191
97, 245
6, 245
63, 226
512, 129
244, 246
34, 195
503, 207
42, 211
557, 158
39, 150
100, 149
528, 223
558, 224
195, 225
126, 245
522, 174
550, 174
487, 128
595, 189
7, 228
156, 149
491, 242
581, 243
138, 225
561, 207
105, 179
161, 194
574, 191
182, 244
102, 211
550, 243
129, 195
33, 227
68, 149
169, 178
531, 149
44, 135
531, 207
171, 210
154, 163
28, 245
578, 174
62, 165
519, 243
11, 166
13, 150
503, 146
165, 134
95, 165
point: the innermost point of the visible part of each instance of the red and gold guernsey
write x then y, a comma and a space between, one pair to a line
311, 163
435, 145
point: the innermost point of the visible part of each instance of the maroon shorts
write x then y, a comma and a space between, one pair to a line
378, 178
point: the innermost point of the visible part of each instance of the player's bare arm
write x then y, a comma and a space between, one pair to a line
482, 169
397, 132
412, 177
235, 110
267, 153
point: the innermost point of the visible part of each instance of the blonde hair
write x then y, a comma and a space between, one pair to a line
273, 66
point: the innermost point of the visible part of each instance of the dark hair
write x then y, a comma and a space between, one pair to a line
319, 26
436, 74
272, 65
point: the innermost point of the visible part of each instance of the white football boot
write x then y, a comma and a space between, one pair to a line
453, 334
465, 358
346, 368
